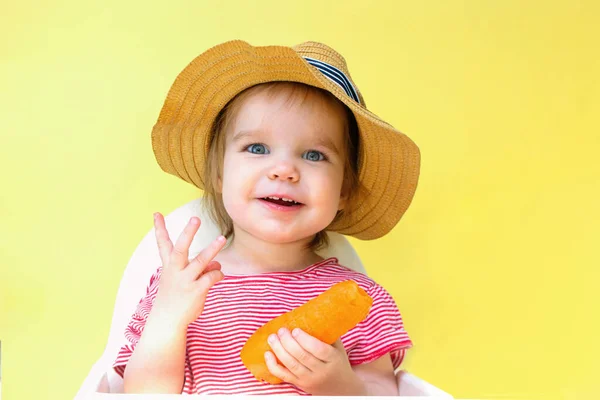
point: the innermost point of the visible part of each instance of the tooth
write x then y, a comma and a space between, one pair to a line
282, 198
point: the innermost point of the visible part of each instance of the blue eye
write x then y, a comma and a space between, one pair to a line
313, 155
257, 148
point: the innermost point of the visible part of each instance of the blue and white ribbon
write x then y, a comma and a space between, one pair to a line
336, 76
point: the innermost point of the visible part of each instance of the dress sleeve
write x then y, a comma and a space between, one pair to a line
380, 333
135, 327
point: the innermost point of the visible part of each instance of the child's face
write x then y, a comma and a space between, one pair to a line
297, 151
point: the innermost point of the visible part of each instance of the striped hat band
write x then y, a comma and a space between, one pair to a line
336, 76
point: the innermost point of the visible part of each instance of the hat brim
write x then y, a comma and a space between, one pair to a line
389, 160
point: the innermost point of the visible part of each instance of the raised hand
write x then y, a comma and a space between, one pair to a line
184, 283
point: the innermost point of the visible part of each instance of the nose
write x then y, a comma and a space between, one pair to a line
284, 171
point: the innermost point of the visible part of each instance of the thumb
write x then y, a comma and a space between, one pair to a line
208, 279
212, 266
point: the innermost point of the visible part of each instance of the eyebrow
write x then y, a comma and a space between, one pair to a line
323, 141
241, 135
326, 142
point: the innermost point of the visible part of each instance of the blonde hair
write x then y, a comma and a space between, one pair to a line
213, 200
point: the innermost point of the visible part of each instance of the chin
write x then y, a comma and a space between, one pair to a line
279, 237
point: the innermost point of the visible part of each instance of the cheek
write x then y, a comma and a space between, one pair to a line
232, 197
335, 179
330, 186
231, 184
236, 183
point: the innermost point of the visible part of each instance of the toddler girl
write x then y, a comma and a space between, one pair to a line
280, 141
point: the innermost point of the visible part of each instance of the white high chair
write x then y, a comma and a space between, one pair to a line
103, 383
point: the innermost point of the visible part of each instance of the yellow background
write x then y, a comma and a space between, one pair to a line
495, 265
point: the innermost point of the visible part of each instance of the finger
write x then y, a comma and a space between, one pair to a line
278, 370
297, 351
208, 279
199, 263
179, 255
212, 266
165, 246
288, 361
320, 350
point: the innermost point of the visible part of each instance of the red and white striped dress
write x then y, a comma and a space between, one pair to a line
239, 304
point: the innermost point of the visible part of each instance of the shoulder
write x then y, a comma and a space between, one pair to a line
336, 272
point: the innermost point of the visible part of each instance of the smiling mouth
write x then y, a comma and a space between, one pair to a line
281, 202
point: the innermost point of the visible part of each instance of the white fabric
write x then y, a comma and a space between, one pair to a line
143, 264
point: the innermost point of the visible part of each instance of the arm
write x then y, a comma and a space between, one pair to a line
377, 377
386, 342
157, 364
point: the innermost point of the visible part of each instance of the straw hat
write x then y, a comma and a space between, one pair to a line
389, 160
